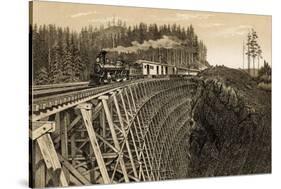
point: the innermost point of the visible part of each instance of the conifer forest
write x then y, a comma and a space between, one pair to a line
62, 55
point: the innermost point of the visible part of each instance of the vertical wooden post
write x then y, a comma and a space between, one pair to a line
125, 135
64, 140
92, 166
140, 128
86, 110
57, 120
129, 121
181, 57
73, 148
51, 159
40, 133
138, 149
38, 167
102, 123
114, 136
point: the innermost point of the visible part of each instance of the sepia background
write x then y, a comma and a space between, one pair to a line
233, 125
222, 33
17, 14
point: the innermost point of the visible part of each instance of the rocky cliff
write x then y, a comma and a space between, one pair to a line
232, 130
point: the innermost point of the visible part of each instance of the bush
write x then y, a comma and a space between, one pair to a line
265, 70
264, 86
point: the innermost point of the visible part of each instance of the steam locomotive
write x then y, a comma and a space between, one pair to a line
106, 71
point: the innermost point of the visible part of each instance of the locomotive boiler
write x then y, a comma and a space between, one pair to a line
107, 71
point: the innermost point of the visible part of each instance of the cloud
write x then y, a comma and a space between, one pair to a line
177, 17
235, 31
210, 25
104, 20
184, 16
82, 14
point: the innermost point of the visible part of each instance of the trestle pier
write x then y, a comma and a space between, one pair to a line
129, 132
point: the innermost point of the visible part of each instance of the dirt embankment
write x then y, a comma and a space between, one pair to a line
232, 134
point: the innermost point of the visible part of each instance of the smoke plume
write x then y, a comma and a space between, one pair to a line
165, 42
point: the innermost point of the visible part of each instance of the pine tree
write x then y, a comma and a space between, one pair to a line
77, 66
265, 70
67, 67
196, 48
141, 32
67, 56
259, 53
35, 49
254, 48
55, 73
248, 52
42, 77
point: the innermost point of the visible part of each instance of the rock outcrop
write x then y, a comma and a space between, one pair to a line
232, 130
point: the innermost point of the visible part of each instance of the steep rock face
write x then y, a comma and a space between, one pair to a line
232, 131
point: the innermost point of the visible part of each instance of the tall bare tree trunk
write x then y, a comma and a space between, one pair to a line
113, 41
49, 59
254, 70
249, 59
243, 54
258, 63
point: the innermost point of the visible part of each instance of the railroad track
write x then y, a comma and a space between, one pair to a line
62, 85
52, 100
48, 90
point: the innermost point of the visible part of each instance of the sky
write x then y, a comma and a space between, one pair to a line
222, 33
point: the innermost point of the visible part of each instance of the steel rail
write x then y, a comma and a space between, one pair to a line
46, 106
61, 85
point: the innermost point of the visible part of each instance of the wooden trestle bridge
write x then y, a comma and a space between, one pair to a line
122, 132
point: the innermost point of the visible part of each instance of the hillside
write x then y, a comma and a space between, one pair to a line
232, 134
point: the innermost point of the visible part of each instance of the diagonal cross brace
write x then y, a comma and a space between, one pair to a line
86, 111
114, 136
40, 133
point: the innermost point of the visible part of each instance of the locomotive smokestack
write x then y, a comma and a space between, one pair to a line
181, 56
102, 56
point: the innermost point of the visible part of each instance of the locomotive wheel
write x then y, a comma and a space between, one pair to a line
114, 76
97, 68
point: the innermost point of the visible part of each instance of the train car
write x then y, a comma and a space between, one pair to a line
107, 71
135, 71
154, 69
